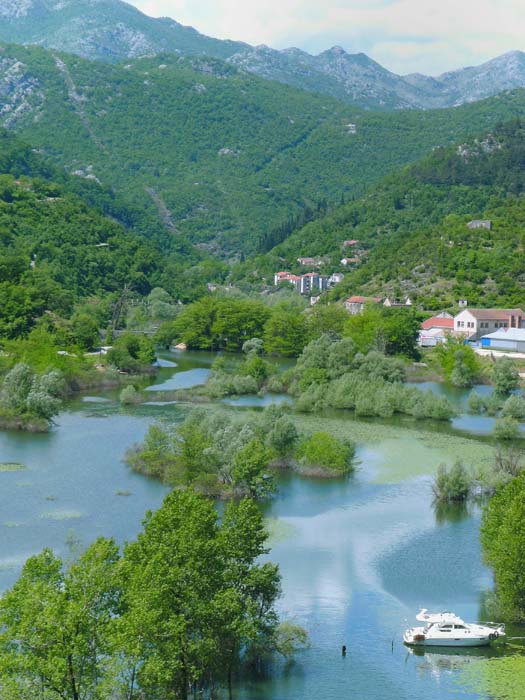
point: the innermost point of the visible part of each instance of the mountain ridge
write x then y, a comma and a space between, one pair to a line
113, 31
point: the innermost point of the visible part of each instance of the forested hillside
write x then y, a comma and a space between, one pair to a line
220, 156
58, 246
413, 228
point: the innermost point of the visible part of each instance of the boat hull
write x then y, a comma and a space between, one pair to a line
472, 642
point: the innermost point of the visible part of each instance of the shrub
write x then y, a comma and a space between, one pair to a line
275, 385
244, 385
462, 374
506, 428
476, 403
132, 352
254, 345
129, 395
313, 399
324, 452
505, 376
283, 436
452, 484
514, 407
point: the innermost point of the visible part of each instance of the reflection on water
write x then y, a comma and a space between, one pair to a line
447, 512
437, 663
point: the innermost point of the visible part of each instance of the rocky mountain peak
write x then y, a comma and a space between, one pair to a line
14, 9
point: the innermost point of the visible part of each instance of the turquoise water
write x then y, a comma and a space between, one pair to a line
358, 558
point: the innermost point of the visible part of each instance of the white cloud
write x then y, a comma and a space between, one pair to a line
404, 35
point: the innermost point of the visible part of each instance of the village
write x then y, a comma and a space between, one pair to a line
489, 331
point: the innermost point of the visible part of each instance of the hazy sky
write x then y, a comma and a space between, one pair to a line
429, 36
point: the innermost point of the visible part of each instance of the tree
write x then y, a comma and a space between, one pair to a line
251, 623
283, 436
326, 318
462, 374
132, 352
390, 331
503, 541
172, 573
250, 469
56, 624
16, 387
454, 355
196, 594
506, 428
285, 332
25, 393
253, 346
85, 332
505, 376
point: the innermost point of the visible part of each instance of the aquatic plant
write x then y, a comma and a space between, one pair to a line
452, 484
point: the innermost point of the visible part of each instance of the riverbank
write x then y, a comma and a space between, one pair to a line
27, 424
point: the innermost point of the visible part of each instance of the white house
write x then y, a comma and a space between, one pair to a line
480, 223
474, 323
335, 278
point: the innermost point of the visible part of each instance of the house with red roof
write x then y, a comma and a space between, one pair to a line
436, 329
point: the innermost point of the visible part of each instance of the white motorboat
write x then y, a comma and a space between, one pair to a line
448, 630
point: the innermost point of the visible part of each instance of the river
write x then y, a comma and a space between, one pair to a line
358, 557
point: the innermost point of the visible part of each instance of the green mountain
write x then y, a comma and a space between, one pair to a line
216, 155
412, 228
58, 246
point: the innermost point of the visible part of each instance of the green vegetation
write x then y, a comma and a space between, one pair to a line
323, 453
225, 456
269, 151
452, 485
412, 229
502, 537
181, 609
458, 483
498, 677
129, 395
330, 373
391, 331
132, 353
505, 376
11, 467
28, 400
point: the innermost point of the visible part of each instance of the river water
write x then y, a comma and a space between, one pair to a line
358, 557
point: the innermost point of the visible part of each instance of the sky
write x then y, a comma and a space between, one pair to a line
405, 36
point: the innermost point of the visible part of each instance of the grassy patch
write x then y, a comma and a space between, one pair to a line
11, 467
